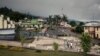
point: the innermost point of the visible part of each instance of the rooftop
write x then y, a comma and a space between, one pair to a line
92, 23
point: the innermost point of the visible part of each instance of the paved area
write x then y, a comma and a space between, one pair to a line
45, 43
10, 43
61, 32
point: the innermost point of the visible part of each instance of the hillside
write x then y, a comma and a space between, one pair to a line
15, 15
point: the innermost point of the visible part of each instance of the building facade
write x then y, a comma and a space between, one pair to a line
93, 29
6, 23
7, 28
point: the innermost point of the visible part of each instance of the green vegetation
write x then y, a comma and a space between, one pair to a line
79, 28
15, 15
35, 22
73, 23
85, 43
3, 46
27, 52
17, 32
11, 48
16, 49
55, 46
56, 19
22, 40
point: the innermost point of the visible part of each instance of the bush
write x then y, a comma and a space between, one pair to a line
3, 46
16, 49
38, 51
55, 46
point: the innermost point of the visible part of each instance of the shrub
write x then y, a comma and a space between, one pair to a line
38, 51
55, 46
16, 49
3, 46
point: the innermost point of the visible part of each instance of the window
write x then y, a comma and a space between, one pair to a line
97, 35
8, 22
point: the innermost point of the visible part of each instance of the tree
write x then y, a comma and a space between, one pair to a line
64, 18
85, 43
50, 21
55, 20
72, 23
79, 29
17, 32
15, 15
22, 40
55, 46
81, 23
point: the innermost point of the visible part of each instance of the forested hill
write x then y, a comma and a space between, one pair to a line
15, 15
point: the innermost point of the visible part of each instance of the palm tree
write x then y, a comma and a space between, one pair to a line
64, 18
85, 43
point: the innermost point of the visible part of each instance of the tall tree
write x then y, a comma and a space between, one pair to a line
72, 23
79, 29
22, 40
81, 23
55, 20
17, 32
64, 18
85, 43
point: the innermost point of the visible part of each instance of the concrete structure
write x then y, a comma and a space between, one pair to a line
65, 24
29, 26
93, 29
6, 23
7, 34
7, 28
46, 43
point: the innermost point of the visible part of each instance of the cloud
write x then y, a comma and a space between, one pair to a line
74, 9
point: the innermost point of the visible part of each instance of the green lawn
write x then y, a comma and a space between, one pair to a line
27, 52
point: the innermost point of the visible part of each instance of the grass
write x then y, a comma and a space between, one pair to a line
28, 52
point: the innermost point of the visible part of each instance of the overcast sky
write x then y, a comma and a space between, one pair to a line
74, 9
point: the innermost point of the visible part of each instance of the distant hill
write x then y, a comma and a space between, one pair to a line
77, 22
15, 15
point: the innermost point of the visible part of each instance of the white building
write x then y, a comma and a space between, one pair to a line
7, 28
65, 24
6, 23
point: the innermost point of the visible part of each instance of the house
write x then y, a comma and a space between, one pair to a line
93, 29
